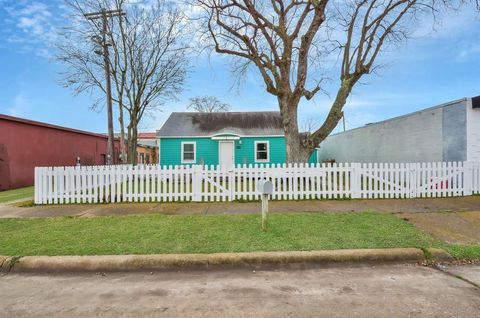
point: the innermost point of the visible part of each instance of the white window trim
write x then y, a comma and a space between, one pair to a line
194, 143
255, 150
225, 138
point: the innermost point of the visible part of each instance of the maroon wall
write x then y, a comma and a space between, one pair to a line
26, 144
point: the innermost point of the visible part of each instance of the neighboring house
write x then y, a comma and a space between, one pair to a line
26, 144
146, 154
223, 138
147, 148
147, 138
447, 132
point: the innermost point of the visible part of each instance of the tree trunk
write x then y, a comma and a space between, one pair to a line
123, 151
335, 114
132, 142
129, 137
296, 151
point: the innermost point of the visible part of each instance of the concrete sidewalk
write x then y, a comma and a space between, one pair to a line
456, 204
469, 273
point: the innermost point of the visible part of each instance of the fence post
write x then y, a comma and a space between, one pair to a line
467, 178
413, 184
231, 183
36, 187
476, 177
354, 181
197, 183
408, 180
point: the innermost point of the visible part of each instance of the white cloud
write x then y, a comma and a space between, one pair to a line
447, 23
384, 99
36, 8
358, 119
26, 22
362, 103
467, 51
31, 26
19, 107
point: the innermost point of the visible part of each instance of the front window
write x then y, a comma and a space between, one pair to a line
188, 152
261, 151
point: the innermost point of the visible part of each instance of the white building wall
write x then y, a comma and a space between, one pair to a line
473, 132
416, 137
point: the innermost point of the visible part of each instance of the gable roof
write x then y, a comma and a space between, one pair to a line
187, 124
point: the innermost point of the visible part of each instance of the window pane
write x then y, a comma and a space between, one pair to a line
261, 155
188, 147
262, 146
188, 156
261, 152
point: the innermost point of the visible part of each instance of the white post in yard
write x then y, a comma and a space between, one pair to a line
264, 212
265, 188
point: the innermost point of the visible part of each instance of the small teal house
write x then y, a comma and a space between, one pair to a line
223, 138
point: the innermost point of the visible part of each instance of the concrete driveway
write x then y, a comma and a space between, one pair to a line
360, 291
458, 227
380, 205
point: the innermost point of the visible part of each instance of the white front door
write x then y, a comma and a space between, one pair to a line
227, 153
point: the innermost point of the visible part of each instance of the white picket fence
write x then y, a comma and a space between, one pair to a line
152, 183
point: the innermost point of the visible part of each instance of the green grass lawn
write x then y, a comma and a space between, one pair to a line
16, 195
205, 234
471, 252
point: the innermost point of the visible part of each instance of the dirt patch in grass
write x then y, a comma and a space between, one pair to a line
197, 208
453, 227
24, 204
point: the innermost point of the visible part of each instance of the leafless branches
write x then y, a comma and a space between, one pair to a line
207, 104
289, 43
148, 57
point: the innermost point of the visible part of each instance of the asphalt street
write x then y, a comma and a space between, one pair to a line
340, 291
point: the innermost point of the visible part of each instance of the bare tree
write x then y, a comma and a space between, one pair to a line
207, 104
309, 125
148, 58
290, 42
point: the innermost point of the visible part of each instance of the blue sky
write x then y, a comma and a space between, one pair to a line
435, 66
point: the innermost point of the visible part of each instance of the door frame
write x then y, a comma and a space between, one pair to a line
220, 150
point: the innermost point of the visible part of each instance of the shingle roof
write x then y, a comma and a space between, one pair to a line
209, 124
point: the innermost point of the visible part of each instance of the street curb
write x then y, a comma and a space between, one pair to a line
112, 263
439, 255
3, 261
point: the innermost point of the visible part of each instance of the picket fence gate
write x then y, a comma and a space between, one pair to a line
153, 183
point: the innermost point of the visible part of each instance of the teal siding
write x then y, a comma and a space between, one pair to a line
245, 153
207, 150
313, 157
171, 151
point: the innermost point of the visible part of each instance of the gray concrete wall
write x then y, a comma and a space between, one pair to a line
455, 132
430, 135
